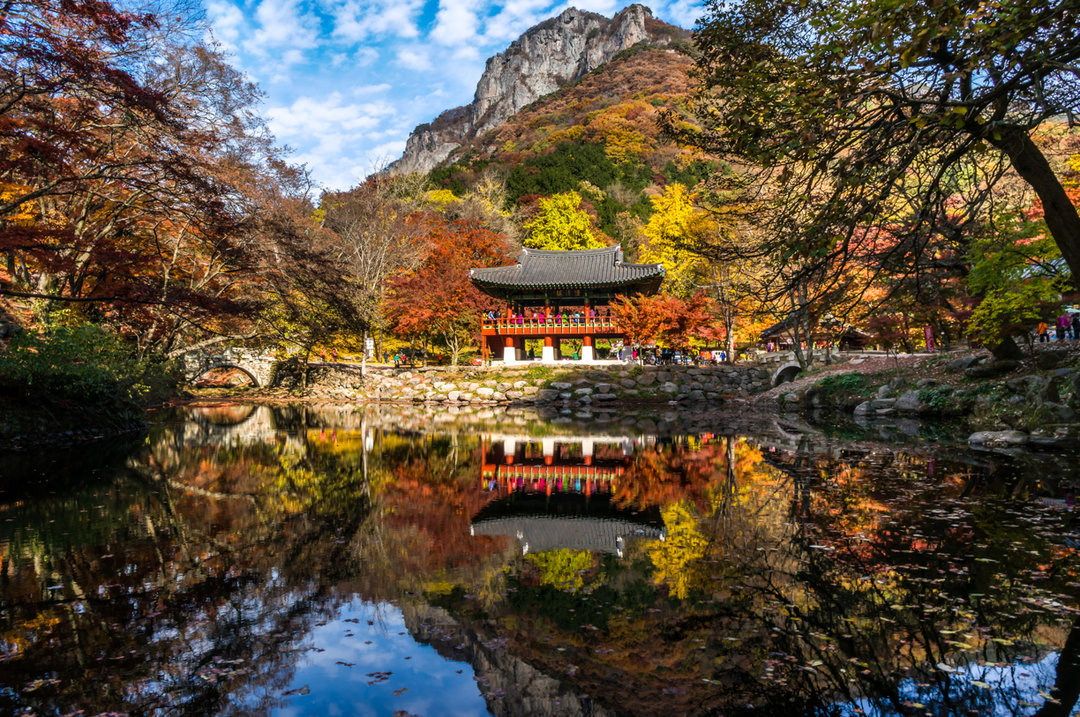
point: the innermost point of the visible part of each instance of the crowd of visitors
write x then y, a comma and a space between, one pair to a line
1066, 326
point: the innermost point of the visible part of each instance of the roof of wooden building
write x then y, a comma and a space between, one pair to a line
545, 269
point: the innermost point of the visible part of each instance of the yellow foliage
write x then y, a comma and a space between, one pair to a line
562, 225
677, 559
675, 223
440, 197
27, 213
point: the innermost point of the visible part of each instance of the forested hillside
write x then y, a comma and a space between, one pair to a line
599, 137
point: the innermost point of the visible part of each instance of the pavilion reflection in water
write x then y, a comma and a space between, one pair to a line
555, 493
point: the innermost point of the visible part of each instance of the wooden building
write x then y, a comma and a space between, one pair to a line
557, 295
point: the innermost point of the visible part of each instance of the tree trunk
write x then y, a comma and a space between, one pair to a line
1067, 688
1062, 219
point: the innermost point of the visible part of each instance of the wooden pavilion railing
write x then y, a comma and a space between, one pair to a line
564, 326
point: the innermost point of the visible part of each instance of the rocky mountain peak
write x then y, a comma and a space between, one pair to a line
545, 57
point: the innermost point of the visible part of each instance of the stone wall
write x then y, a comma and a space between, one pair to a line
576, 387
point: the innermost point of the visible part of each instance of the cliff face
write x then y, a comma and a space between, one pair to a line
545, 57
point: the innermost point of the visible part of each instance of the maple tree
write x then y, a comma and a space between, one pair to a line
438, 300
664, 318
138, 202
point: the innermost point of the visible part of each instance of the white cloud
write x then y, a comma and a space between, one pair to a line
365, 56
334, 136
683, 13
226, 23
514, 18
414, 58
456, 22
603, 7
323, 118
282, 24
360, 20
361, 90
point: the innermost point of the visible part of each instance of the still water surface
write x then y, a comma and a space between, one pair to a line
343, 560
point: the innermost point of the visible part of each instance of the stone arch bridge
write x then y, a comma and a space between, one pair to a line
258, 365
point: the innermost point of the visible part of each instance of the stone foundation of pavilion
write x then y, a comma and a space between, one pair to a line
543, 292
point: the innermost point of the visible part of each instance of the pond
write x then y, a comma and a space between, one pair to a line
379, 560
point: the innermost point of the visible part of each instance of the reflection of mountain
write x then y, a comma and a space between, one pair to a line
510, 686
566, 520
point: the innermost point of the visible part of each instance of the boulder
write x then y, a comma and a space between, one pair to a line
560, 385
924, 382
965, 362
1030, 384
669, 387
647, 379
604, 396
453, 396
1051, 413
999, 438
1051, 358
1051, 391
910, 403
485, 392
603, 388
991, 370
697, 395
547, 394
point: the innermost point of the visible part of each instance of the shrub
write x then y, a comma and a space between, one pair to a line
844, 383
84, 363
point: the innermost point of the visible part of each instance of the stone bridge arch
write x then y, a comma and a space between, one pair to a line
257, 365
786, 373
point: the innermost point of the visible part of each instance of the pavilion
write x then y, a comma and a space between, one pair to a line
555, 492
554, 295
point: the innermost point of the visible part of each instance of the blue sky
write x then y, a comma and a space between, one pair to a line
347, 80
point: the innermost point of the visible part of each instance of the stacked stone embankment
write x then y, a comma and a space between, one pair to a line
541, 386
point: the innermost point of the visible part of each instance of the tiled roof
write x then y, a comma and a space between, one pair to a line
540, 533
539, 268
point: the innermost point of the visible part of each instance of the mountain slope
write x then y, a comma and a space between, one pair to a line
545, 58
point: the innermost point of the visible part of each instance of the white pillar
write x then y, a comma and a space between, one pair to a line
587, 447
587, 354
549, 447
509, 447
509, 354
548, 354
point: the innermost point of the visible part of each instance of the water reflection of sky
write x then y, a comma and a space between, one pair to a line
1008, 690
373, 640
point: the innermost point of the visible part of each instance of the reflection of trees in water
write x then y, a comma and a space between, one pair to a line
191, 587
792, 576
795, 580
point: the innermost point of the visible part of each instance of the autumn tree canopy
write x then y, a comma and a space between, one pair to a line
866, 116
562, 225
438, 300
